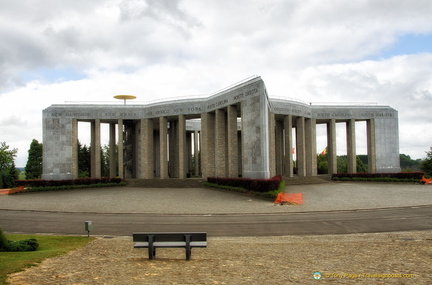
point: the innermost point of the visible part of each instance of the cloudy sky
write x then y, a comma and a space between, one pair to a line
54, 51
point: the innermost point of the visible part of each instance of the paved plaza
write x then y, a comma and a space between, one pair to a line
173, 201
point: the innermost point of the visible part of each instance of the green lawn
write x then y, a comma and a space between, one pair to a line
49, 246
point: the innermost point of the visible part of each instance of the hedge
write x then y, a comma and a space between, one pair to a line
55, 183
398, 175
69, 187
255, 185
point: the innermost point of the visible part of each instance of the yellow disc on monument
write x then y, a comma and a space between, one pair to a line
125, 97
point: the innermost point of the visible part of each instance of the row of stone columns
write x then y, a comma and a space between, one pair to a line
219, 144
145, 160
281, 138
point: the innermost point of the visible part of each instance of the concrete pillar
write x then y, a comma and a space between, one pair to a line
221, 143
272, 144
120, 148
57, 147
95, 149
301, 146
189, 151
181, 147
279, 157
351, 146
311, 148
233, 144
147, 149
163, 144
288, 161
331, 146
371, 149
255, 136
112, 150
207, 137
196, 154
74, 148
172, 149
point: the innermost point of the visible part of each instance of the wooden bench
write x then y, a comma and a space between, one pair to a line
170, 240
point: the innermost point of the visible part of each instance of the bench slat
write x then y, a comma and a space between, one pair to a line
195, 236
171, 244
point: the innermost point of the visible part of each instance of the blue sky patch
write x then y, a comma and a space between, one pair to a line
408, 44
52, 75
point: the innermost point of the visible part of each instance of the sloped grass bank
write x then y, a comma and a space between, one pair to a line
49, 246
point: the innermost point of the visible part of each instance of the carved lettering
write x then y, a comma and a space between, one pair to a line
239, 96
251, 92
162, 112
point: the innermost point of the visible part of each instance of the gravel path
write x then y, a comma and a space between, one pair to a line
387, 258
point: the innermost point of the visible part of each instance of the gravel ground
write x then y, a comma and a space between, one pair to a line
383, 258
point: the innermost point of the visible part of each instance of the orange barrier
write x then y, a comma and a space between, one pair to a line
289, 198
426, 181
11, 191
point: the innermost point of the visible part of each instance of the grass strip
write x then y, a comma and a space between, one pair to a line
49, 246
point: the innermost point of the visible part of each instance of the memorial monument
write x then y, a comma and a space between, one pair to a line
238, 131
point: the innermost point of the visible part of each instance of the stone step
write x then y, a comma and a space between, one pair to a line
166, 183
198, 182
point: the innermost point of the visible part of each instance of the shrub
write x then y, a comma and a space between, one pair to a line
21, 245
3, 241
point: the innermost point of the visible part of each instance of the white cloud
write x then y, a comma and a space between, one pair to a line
308, 50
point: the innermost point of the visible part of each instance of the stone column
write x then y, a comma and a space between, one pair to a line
75, 148
289, 164
57, 147
120, 148
147, 150
279, 154
189, 151
301, 146
163, 143
196, 153
112, 150
173, 154
181, 147
311, 149
351, 146
387, 143
232, 141
331, 146
221, 145
371, 150
272, 144
255, 136
95, 149
207, 137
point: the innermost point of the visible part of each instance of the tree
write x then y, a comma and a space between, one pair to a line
407, 164
322, 163
342, 164
8, 172
83, 160
33, 167
426, 164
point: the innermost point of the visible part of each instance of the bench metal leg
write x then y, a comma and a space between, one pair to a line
151, 249
188, 247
